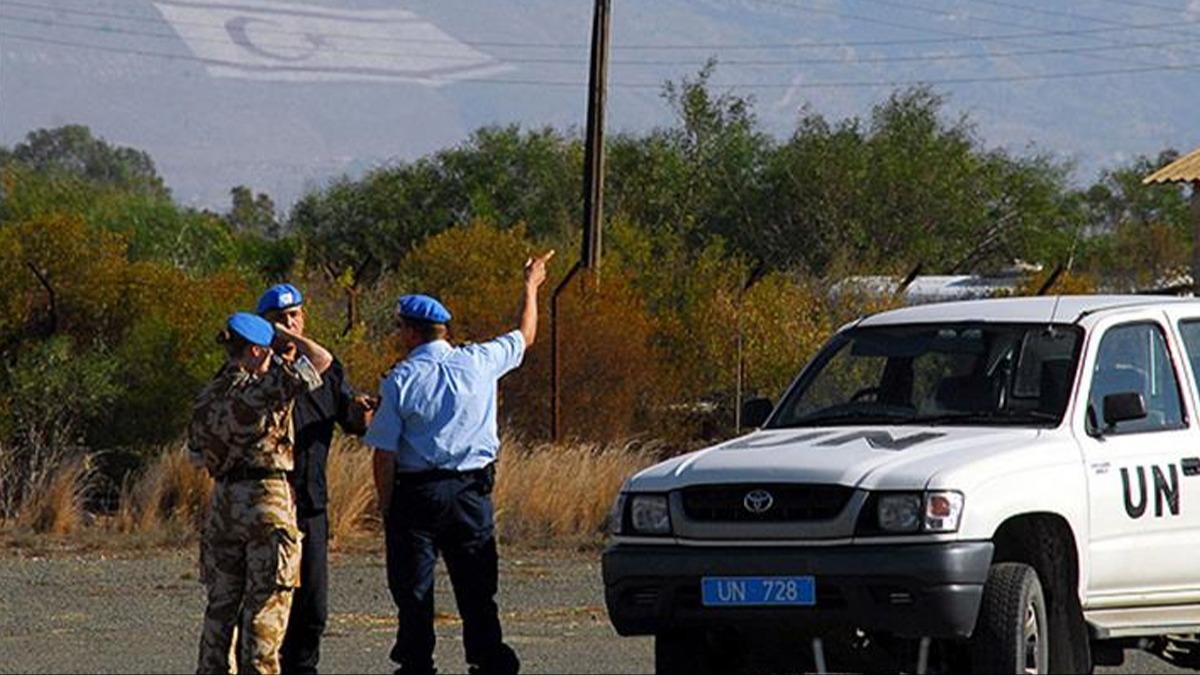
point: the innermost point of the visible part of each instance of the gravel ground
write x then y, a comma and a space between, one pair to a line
92, 613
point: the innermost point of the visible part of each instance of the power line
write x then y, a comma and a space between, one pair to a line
948, 37
1147, 5
847, 84
865, 19
1080, 17
1086, 17
1000, 22
626, 62
927, 10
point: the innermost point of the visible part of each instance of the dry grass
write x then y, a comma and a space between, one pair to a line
545, 495
562, 493
351, 484
167, 501
56, 506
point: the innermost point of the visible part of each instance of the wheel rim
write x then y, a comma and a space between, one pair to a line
1032, 634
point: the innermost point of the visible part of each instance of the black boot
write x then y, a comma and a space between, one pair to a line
503, 662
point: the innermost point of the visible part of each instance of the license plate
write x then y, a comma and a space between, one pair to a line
752, 591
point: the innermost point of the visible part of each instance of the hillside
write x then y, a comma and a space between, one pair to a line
284, 94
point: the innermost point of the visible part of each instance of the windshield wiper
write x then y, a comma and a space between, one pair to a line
993, 416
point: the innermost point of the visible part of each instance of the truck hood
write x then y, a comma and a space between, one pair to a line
871, 457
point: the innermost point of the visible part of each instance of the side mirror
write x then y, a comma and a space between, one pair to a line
756, 411
1123, 407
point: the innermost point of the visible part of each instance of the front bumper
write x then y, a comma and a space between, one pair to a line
909, 590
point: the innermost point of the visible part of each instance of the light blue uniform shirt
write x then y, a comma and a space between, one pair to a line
437, 408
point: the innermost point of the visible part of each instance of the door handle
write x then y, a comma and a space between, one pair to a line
1191, 466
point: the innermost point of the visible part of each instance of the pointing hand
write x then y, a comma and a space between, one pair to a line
535, 269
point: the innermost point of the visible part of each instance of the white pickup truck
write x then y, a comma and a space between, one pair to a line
995, 486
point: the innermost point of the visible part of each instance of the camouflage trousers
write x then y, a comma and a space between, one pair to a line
249, 563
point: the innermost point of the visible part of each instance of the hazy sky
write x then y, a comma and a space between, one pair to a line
283, 94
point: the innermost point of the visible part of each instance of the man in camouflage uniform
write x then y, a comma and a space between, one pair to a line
242, 431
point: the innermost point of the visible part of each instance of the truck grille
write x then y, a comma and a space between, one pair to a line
790, 502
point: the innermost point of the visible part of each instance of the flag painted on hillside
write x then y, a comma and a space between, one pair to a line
281, 41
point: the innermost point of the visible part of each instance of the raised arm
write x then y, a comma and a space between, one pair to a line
535, 276
320, 357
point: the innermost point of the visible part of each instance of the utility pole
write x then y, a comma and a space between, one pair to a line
593, 159
756, 273
593, 197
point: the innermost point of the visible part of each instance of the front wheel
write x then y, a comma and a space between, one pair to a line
690, 653
677, 652
1011, 633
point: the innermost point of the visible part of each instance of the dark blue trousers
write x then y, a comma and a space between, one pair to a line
310, 602
450, 514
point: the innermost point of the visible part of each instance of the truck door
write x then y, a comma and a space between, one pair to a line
1143, 517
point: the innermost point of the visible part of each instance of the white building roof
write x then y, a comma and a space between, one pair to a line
931, 288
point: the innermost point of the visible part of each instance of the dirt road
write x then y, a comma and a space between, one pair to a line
92, 614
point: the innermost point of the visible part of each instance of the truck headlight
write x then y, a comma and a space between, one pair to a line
900, 513
649, 514
616, 519
943, 510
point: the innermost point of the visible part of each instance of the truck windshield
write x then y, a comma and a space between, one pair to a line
969, 373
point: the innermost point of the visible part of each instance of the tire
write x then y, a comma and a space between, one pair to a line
690, 653
678, 653
1012, 631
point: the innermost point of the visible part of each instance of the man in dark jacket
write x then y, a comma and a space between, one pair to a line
315, 415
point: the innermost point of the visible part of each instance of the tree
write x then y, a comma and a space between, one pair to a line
251, 213
909, 187
158, 229
73, 150
59, 275
63, 278
343, 238
1137, 235
702, 177
154, 226
355, 230
610, 369
509, 177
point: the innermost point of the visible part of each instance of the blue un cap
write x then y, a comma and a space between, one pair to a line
255, 329
279, 297
422, 308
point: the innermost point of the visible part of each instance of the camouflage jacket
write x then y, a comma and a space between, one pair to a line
244, 421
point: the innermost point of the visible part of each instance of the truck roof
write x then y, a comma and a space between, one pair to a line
1056, 309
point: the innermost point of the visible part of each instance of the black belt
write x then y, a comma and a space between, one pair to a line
415, 477
252, 473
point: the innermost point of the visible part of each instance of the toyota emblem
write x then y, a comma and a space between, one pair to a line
758, 501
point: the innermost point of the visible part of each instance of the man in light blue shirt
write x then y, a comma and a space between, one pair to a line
436, 442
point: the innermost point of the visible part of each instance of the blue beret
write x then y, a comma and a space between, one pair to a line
422, 308
279, 296
255, 329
